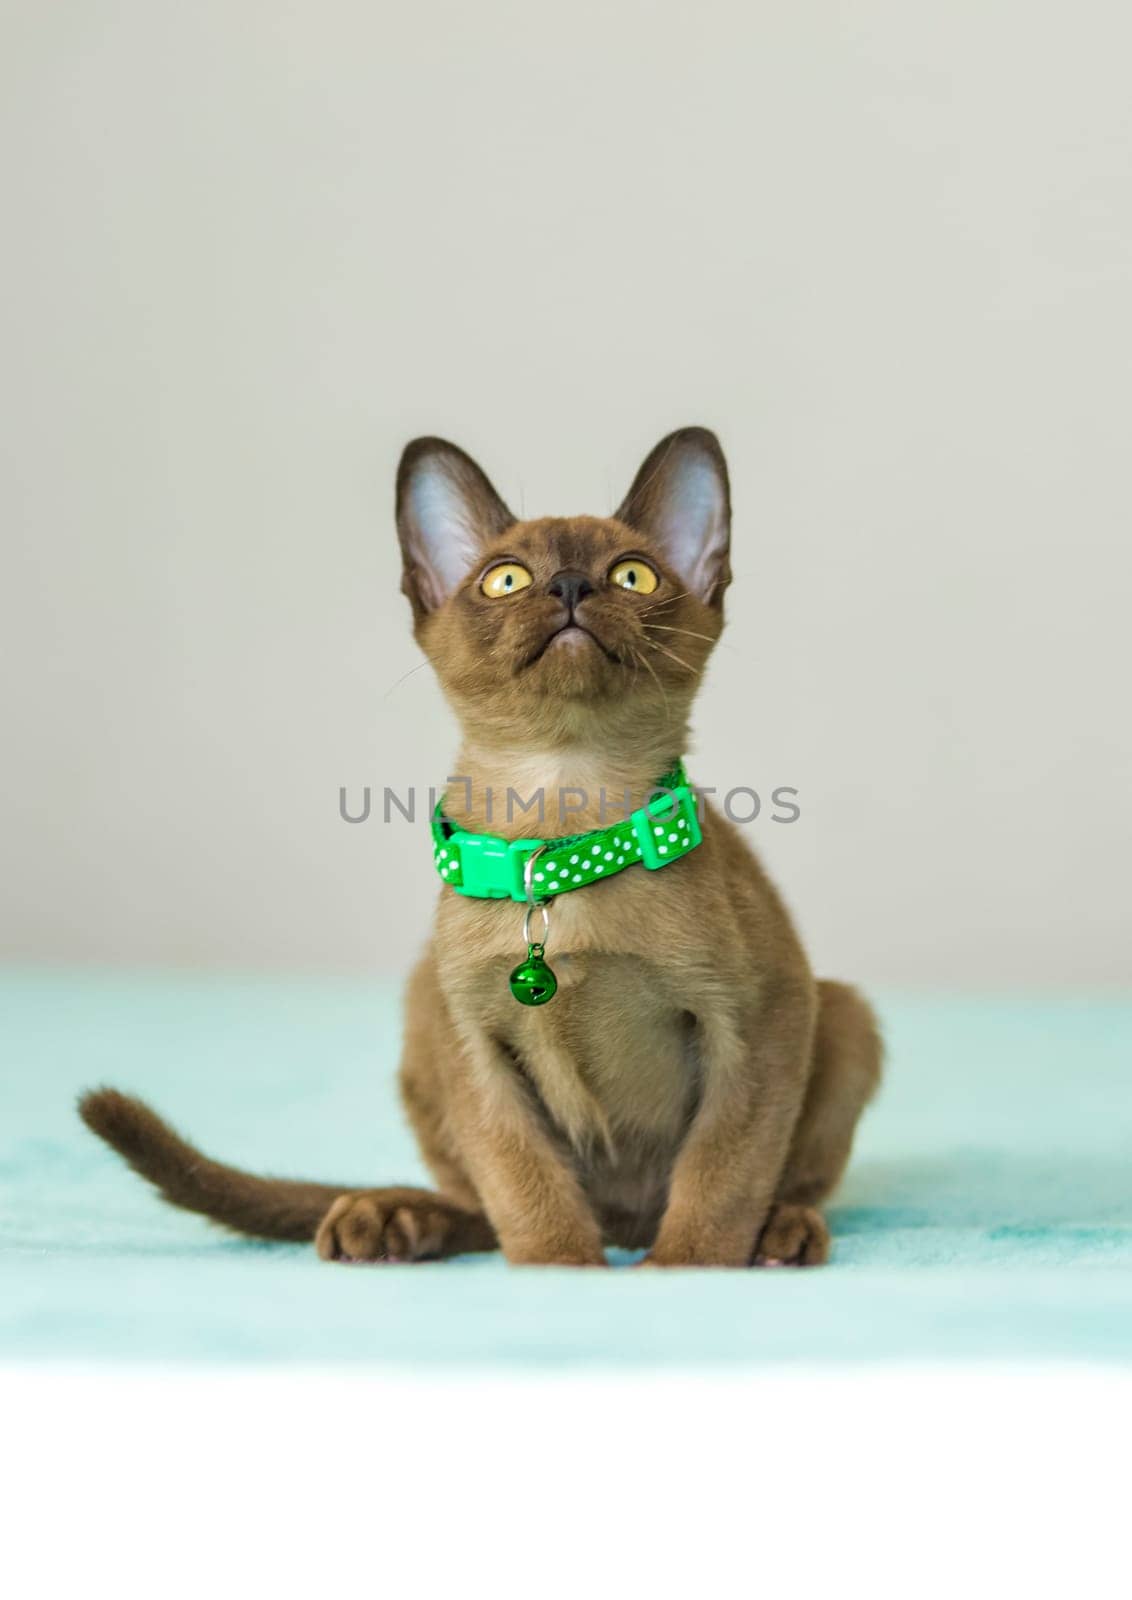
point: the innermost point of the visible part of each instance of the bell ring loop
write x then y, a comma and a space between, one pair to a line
545, 915
528, 873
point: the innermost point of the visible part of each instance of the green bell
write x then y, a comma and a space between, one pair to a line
532, 982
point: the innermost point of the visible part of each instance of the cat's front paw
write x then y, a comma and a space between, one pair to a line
694, 1250
794, 1236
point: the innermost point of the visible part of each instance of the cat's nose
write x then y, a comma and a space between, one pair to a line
571, 588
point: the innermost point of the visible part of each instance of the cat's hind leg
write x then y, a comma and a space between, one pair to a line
845, 1074
409, 1224
400, 1225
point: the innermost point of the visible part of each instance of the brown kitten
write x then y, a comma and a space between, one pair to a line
691, 1088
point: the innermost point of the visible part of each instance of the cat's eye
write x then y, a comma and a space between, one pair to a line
634, 574
508, 578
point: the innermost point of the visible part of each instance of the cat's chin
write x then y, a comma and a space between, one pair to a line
573, 642
572, 638
574, 662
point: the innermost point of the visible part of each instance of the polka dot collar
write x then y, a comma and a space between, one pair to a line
486, 867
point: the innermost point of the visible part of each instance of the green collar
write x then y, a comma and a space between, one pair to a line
489, 868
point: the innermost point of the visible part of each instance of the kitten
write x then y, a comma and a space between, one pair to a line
692, 1089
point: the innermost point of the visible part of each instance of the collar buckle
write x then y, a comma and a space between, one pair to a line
493, 869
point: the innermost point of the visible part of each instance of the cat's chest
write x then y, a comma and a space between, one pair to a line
481, 955
484, 933
612, 1053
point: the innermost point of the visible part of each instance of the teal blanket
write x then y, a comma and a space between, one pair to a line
987, 1214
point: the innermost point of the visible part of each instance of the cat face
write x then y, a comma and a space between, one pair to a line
543, 626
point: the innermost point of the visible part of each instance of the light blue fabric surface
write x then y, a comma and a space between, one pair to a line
988, 1213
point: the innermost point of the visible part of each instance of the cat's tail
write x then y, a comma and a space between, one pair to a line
267, 1208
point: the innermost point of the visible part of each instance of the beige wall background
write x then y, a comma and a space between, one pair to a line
251, 248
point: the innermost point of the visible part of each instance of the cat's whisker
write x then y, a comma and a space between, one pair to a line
420, 666
672, 656
647, 664
669, 599
668, 628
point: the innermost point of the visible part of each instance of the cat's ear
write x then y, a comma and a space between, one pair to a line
681, 501
447, 511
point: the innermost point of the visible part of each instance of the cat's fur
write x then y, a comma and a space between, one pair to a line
691, 1089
